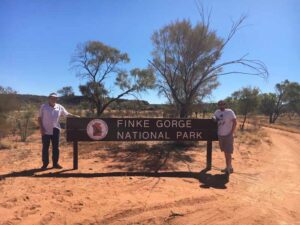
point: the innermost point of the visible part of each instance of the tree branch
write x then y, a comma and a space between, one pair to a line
114, 99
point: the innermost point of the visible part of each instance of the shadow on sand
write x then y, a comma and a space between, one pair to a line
206, 179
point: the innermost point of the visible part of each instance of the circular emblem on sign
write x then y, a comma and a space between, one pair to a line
97, 129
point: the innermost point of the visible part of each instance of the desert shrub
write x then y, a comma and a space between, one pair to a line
8, 103
252, 135
24, 123
4, 145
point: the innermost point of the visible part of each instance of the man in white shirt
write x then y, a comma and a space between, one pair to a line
50, 129
226, 126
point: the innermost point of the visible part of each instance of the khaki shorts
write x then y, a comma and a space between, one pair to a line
226, 143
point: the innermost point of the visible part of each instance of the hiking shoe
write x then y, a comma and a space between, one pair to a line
57, 166
226, 170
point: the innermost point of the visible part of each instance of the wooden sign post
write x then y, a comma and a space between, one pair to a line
141, 129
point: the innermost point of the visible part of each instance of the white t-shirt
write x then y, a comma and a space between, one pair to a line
50, 117
225, 121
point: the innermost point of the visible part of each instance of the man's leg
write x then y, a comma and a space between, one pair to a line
55, 147
228, 158
45, 150
228, 150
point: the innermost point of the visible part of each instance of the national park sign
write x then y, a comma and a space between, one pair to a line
140, 129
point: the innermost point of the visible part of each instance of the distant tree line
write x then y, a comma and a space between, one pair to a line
284, 100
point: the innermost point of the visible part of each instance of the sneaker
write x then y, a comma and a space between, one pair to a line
57, 166
44, 167
226, 170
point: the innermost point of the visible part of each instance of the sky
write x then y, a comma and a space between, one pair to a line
39, 37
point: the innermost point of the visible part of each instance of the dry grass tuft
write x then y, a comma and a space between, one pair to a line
252, 135
4, 145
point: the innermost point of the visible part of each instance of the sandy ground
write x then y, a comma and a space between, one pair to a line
119, 185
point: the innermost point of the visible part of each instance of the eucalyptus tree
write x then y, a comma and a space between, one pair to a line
66, 91
187, 61
98, 63
287, 96
267, 105
247, 100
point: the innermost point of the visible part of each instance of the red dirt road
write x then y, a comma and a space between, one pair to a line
263, 190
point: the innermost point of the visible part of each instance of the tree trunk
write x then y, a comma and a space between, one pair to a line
99, 111
183, 111
274, 117
243, 124
270, 118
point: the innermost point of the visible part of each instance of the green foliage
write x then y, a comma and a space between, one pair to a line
25, 122
293, 97
95, 60
267, 103
287, 95
247, 101
66, 91
232, 103
185, 60
286, 99
139, 80
180, 57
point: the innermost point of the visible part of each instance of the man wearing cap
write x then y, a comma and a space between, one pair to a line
50, 129
226, 126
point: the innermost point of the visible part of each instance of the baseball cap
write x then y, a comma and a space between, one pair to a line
53, 94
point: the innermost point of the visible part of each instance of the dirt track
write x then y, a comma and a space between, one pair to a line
263, 190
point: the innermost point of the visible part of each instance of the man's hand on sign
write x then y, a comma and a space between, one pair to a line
72, 115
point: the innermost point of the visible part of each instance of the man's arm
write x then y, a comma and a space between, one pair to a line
40, 121
72, 115
67, 114
234, 122
41, 125
214, 116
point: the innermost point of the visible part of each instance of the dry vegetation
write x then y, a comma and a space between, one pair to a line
136, 156
150, 156
284, 122
252, 135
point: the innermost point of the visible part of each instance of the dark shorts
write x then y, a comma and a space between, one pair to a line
226, 143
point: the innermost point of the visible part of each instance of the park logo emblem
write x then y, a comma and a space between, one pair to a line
97, 129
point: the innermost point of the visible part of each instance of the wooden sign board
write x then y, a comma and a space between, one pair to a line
140, 129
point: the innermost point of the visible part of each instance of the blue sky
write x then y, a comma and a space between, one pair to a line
38, 38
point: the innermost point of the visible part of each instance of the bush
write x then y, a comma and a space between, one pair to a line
4, 145
8, 103
23, 124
